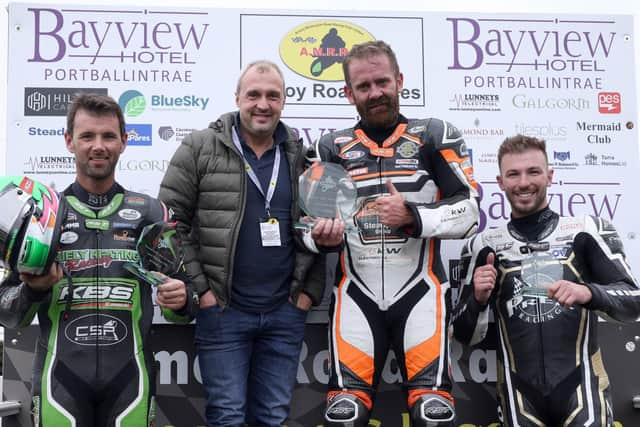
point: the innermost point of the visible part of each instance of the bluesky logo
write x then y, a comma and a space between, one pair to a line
132, 103
139, 134
183, 103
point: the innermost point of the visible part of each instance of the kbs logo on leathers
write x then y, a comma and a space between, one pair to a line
317, 49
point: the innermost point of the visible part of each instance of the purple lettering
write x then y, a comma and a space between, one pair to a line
569, 39
605, 202
127, 40
161, 28
37, 57
192, 32
599, 42
477, 51
498, 210
573, 201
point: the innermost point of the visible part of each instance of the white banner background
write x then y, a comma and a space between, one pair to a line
492, 75
426, 46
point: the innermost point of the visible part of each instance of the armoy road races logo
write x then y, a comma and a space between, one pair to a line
317, 49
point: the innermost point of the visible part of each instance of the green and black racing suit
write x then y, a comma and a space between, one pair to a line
93, 365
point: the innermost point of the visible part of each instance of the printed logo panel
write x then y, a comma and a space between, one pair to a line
52, 101
317, 49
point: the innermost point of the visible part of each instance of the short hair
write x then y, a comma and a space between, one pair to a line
96, 104
367, 50
261, 66
519, 144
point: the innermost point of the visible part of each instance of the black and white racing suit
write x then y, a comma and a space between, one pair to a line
93, 365
391, 289
550, 370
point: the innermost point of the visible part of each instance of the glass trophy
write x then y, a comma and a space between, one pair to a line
325, 190
538, 271
159, 251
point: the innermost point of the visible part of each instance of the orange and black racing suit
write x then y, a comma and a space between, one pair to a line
391, 288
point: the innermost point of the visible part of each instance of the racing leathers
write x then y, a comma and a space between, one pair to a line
391, 289
550, 370
93, 363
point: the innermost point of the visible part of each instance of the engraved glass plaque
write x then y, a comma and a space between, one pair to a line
325, 190
538, 271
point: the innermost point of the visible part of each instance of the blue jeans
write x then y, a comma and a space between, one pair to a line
248, 363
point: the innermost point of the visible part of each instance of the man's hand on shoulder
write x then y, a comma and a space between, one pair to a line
44, 282
569, 293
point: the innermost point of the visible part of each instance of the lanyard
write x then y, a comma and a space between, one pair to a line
254, 178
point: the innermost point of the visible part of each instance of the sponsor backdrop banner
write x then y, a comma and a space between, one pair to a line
565, 78
181, 402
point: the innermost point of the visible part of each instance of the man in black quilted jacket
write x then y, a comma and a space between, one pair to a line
232, 188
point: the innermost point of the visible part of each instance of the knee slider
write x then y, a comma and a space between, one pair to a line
346, 410
432, 410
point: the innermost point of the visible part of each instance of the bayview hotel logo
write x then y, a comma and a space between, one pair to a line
535, 53
110, 45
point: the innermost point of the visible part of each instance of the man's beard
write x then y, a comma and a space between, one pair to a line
380, 119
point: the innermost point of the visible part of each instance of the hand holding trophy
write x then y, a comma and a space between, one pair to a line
539, 271
325, 190
158, 252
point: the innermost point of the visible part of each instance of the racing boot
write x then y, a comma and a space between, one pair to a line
346, 410
432, 410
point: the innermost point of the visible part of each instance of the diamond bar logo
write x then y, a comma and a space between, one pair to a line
132, 103
317, 49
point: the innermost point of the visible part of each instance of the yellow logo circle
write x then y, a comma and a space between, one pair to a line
317, 49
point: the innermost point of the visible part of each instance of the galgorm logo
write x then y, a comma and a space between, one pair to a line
317, 49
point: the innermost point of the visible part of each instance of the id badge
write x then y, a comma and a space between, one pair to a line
270, 232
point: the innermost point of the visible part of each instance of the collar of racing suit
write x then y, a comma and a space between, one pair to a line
534, 227
381, 134
95, 200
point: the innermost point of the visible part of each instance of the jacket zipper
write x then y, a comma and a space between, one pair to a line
236, 228
298, 160
383, 301
97, 310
